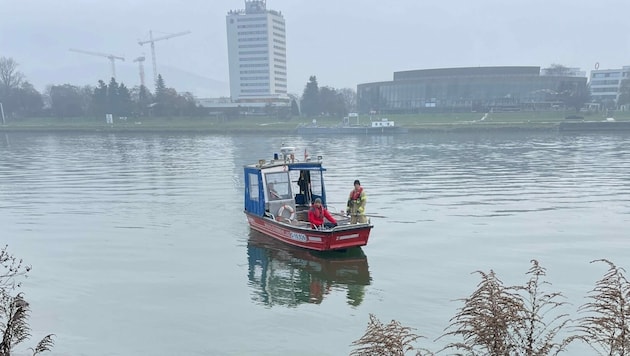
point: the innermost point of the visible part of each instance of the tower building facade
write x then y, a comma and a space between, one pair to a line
256, 39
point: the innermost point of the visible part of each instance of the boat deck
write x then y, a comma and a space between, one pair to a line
301, 218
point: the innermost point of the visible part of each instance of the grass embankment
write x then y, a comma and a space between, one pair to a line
258, 124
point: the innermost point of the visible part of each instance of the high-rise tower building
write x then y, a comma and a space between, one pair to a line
256, 40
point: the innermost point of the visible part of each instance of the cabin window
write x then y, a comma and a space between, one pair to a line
278, 186
253, 186
302, 186
316, 183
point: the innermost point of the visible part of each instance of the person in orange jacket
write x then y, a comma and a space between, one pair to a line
356, 204
317, 215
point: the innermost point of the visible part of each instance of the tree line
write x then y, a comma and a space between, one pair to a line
20, 99
326, 101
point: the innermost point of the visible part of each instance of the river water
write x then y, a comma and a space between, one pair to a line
139, 245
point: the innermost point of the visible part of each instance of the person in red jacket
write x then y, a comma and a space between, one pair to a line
317, 215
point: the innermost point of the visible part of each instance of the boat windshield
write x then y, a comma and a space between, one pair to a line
307, 184
316, 183
278, 185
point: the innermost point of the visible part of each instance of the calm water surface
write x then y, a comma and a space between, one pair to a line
139, 245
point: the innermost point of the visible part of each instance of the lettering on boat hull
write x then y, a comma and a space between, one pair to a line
298, 237
345, 237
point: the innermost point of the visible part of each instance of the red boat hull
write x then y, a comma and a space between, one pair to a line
339, 238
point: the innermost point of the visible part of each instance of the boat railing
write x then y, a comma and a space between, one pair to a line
282, 208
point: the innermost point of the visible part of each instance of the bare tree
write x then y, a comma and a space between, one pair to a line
624, 92
10, 77
349, 96
557, 70
17, 95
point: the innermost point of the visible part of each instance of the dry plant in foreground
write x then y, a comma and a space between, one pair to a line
14, 310
486, 319
606, 327
392, 339
538, 328
498, 320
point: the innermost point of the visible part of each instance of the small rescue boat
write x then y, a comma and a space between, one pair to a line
278, 195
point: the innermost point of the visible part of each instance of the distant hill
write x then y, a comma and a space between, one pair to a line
91, 73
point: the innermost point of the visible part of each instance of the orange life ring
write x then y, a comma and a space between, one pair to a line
289, 208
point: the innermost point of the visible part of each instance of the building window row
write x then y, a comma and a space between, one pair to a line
279, 41
253, 52
253, 25
254, 84
279, 29
251, 19
280, 61
254, 65
253, 90
280, 67
278, 22
607, 75
245, 33
603, 90
279, 35
280, 73
279, 47
253, 39
256, 78
253, 71
279, 79
251, 59
281, 85
604, 82
607, 97
278, 91
256, 45
280, 54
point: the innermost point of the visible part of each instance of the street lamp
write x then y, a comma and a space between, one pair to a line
2, 111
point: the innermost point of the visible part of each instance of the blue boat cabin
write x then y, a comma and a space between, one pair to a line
283, 188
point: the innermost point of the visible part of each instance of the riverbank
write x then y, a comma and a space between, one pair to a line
442, 122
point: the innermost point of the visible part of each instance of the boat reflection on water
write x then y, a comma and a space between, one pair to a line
286, 275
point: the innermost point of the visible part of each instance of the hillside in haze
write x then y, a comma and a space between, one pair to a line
129, 74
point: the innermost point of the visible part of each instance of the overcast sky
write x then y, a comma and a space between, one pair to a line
342, 42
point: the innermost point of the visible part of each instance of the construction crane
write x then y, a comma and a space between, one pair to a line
152, 41
111, 57
140, 61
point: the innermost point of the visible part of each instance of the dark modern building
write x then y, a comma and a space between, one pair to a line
479, 89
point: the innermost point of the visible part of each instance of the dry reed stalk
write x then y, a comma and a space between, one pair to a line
517, 320
606, 326
392, 339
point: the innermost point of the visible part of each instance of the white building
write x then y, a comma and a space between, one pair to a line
256, 40
564, 71
606, 83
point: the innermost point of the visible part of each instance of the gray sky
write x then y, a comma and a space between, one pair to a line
342, 42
